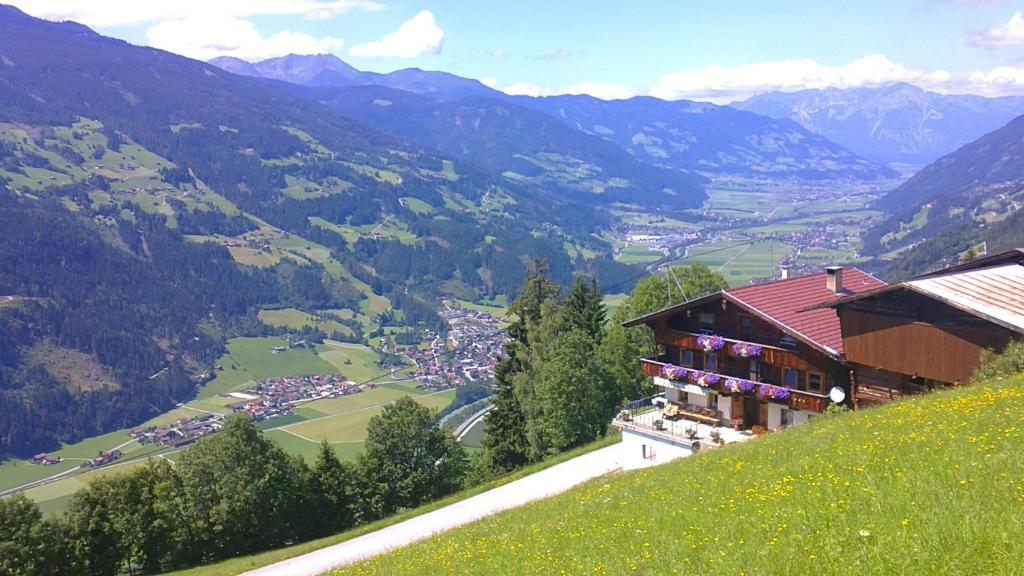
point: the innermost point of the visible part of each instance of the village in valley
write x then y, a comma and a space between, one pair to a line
469, 353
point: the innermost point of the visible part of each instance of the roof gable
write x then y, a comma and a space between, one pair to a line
787, 302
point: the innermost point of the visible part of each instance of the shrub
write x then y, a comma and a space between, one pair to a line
1004, 365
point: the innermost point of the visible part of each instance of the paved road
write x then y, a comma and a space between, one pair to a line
545, 483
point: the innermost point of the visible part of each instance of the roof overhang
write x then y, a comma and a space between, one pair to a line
910, 287
675, 308
724, 295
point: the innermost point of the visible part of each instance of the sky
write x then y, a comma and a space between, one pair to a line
713, 50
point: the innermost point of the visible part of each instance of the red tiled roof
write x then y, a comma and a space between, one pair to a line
785, 302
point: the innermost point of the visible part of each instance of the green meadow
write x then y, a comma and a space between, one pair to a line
927, 485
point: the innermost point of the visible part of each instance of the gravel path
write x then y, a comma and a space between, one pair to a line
549, 482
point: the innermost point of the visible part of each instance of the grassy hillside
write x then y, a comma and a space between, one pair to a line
930, 485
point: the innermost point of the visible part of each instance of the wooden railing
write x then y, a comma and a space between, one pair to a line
798, 399
769, 354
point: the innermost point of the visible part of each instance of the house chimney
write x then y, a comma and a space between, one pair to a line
785, 271
834, 278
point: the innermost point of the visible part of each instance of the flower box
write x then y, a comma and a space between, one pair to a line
746, 350
710, 342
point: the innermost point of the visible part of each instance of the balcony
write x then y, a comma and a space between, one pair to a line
648, 415
770, 354
797, 399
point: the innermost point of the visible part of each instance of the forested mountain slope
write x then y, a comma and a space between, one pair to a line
679, 136
709, 139
981, 183
183, 193
899, 123
525, 145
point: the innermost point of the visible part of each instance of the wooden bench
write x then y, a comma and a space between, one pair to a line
702, 415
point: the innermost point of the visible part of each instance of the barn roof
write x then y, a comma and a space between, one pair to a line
991, 288
791, 305
996, 293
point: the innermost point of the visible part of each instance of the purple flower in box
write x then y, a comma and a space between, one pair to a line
773, 392
746, 350
710, 379
738, 385
673, 372
710, 342
695, 376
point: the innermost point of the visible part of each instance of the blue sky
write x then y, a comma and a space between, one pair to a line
714, 50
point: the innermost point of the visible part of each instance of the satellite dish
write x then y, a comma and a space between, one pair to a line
837, 394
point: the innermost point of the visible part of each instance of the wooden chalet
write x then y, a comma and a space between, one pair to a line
931, 329
764, 355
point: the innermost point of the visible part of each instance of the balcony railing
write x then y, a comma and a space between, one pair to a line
645, 415
797, 399
769, 353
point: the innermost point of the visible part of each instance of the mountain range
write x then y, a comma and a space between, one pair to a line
894, 124
963, 198
682, 136
154, 204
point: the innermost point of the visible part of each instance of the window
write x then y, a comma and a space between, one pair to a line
787, 341
711, 362
787, 418
755, 370
687, 358
793, 378
815, 382
746, 328
707, 321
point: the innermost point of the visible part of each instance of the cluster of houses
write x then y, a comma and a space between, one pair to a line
472, 335
766, 356
181, 433
273, 397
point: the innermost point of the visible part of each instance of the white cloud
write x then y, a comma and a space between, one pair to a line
489, 82
104, 13
721, 84
603, 90
1009, 34
1000, 81
527, 89
206, 37
416, 36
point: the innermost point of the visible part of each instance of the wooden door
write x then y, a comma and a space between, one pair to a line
762, 414
737, 407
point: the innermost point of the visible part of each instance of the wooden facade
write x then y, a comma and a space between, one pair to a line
784, 360
915, 338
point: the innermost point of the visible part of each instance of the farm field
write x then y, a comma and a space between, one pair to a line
247, 360
355, 361
740, 261
635, 254
344, 426
882, 491
297, 319
496, 311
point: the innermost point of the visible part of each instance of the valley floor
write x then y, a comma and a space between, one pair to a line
543, 484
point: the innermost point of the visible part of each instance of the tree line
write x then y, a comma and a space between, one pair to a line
237, 492
567, 368
232, 493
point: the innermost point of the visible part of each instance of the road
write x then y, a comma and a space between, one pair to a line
549, 482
